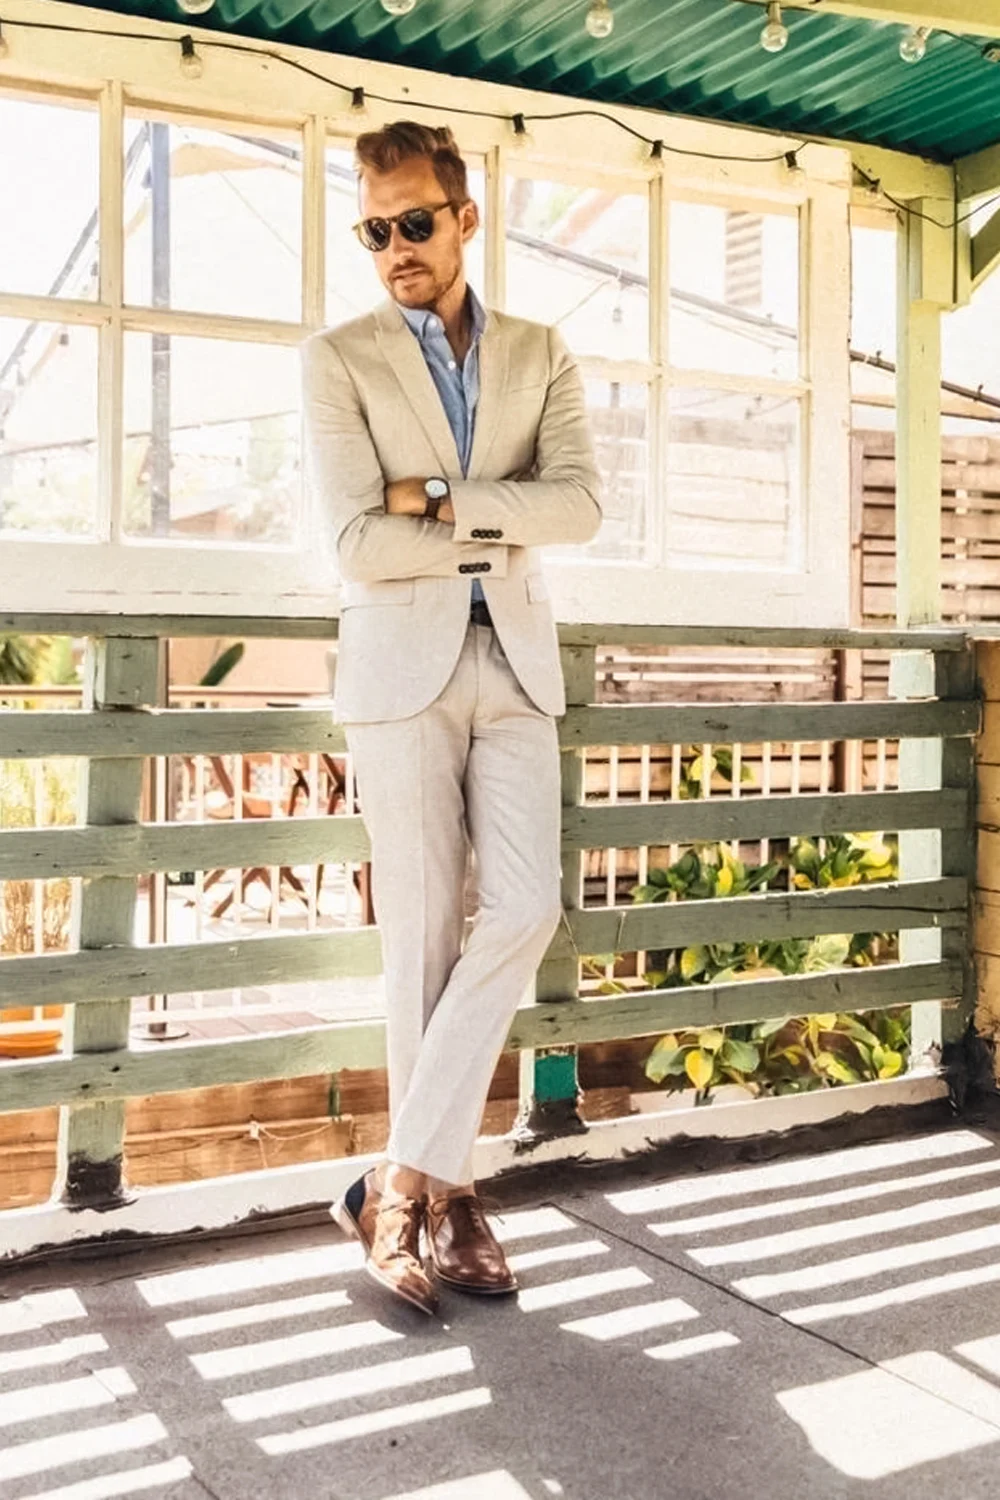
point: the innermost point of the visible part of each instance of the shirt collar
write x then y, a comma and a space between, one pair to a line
425, 323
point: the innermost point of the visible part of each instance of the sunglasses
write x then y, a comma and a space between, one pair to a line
415, 225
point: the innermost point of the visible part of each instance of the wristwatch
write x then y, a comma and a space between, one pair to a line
437, 491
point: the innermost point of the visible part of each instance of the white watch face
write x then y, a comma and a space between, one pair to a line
436, 489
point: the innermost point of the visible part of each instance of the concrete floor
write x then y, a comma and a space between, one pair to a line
824, 1324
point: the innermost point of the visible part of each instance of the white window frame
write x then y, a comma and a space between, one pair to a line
132, 74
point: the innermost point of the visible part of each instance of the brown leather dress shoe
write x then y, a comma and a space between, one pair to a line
355, 1212
394, 1256
464, 1249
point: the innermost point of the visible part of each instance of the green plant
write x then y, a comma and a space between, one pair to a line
790, 1055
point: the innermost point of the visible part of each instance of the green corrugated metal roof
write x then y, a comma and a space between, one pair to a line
838, 77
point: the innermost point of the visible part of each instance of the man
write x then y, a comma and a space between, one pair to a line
446, 444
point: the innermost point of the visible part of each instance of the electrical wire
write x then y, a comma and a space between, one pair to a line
917, 213
656, 145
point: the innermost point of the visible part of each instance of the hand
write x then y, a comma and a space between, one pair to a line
405, 497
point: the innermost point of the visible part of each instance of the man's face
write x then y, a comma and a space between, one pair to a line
417, 275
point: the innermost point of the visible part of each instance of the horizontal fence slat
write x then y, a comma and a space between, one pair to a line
171, 969
890, 907
754, 723
304, 1053
653, 1011
792, 636
285, 627
168, 731
43, 1082
281, 627
51, 853
723, 818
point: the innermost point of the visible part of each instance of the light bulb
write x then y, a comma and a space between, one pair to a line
913, 47
398, 7
522, 136
359, 105
600, 20
191, 63
774, 37
195, 7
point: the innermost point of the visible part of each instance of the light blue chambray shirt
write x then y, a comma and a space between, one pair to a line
457, 387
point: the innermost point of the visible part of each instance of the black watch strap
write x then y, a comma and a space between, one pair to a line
431, 507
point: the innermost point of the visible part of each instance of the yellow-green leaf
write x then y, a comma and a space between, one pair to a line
699, 1067
693, 961
724, 882
711, 1039
892, 1063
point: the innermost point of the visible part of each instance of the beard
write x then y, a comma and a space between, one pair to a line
425, 290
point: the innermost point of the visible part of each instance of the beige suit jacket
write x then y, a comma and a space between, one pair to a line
373, 415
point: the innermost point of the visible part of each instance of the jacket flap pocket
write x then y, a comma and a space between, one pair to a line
385, 591
538, 589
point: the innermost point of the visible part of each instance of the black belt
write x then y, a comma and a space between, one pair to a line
479, 613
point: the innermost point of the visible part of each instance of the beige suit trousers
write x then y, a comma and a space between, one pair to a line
479, 765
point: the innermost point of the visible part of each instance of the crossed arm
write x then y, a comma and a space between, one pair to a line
379, 528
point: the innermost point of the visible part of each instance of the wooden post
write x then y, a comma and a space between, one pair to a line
120, 675
925, 285
549, 1087
986, 939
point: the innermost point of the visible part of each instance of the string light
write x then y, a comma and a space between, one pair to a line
191, 64
359, 104
522, 136
774, 37
195, 7
600, 20
398, 7
795, 167
913, 46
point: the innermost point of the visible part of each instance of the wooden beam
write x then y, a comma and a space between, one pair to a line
43, 1082
791, 637
727, 818
971, 17
33, 736
986, 250
754, 723
141, 849
119, 677
897, 173
121, 973
648, 1012
890, 907
978, 175
283, 627
169, 731
289, 628
114, 1077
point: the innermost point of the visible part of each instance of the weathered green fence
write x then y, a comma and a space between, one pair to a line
111, 848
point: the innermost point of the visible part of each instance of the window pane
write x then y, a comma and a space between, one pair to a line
49, 170
734, 284
733, 480
618, 415
352, 283
48, 428
213, 221
212, 439
579, 257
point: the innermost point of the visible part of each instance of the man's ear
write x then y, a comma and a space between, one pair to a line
468, 219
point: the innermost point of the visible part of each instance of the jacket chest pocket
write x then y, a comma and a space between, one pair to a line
385, 591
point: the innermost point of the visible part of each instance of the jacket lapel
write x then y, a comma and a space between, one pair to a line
493, 366
406, 359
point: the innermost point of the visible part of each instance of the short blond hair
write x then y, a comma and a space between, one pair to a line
384, 150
